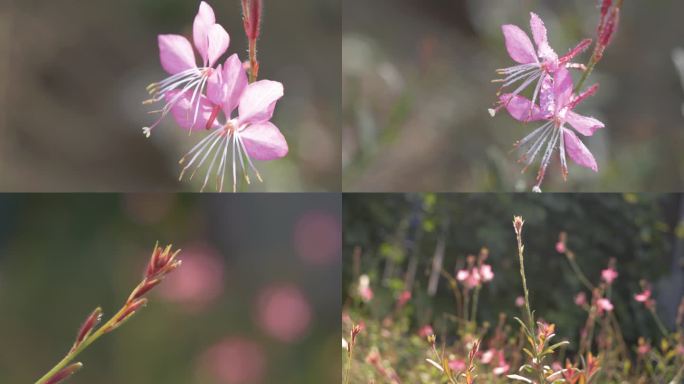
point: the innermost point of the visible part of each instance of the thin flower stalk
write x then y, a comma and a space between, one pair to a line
162, 262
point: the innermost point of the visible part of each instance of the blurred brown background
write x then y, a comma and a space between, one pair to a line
73, 75
416, 88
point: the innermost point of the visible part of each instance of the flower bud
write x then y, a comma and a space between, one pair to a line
64, 373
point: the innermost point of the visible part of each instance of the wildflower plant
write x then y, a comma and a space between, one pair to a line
206, 97
555, 95
162, 262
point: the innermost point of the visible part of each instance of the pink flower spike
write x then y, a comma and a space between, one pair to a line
609, 275
178, 59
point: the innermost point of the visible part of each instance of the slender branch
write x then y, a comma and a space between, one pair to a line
162, 262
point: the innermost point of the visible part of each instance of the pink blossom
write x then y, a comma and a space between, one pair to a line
534, 65
404, 297
365, 291
235, 360
425, 331
284, 312
556, 106
560, 247
645, 297
604, 304
502, 366
486, 272
519, 301
488, 356
470, 278
249, 135
178, 59
457, 365
581, 299
609, 275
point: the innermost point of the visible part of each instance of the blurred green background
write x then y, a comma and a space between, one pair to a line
394, 235
416, 88
255, 301
73, 75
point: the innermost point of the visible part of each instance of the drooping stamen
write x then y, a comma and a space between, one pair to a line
561, 154
547, 156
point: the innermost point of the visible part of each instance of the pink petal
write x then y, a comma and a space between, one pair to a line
226, 85
521, 108
204, 20
562, 88
218, 41
538, 29
183, 110
583, 124
258, 101
263, 141
175, 53
519, 46
577, 151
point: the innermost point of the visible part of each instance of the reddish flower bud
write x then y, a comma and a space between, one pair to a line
64, 373
606, 33
251, 17
91, 322
129, 310
143, 288
518, 224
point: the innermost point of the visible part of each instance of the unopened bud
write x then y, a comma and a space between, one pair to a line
518, 224
88, 326
64, 373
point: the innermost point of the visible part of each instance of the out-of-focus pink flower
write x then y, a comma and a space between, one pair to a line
534, 66
581, 299
488, 356
609, 275
235, 360
365, 291
557, 103
469, 277
604, 304
560, 247
457, 365
199, 283
643, 296
284, 312
404, 298
502, 366
318, 237
644, 349
425, 331
486, 272
178, 59
519, 301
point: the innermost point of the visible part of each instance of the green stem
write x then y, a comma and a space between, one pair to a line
578, 271
107, 327
659, 323
349, 364
476, 295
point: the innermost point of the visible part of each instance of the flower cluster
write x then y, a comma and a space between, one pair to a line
219, 98
554, 96
476, 271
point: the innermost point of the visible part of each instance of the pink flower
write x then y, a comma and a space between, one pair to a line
404, 297
178, 59
365, 292
425, 331
560, 247
249, 135
457, 365
557, 102
534, 65
645, 297
284, 312
486, 272
488, 356
470, 278
609, 275
604, 304
502, 366
234, 360
581, 299
519, 301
